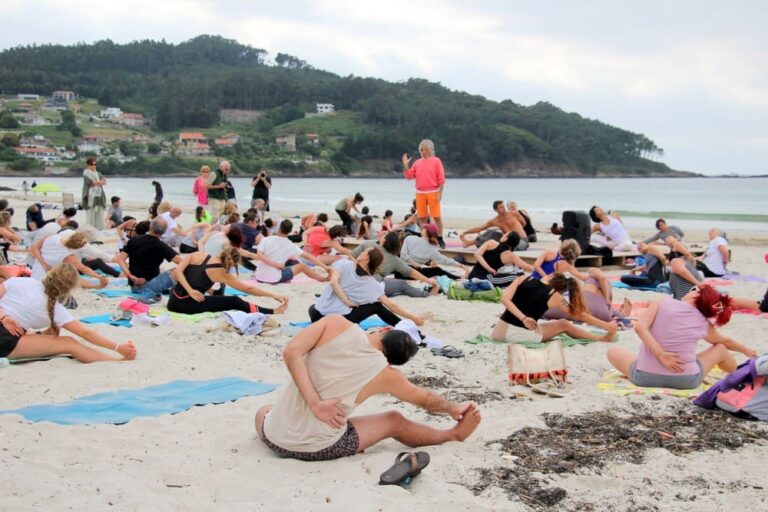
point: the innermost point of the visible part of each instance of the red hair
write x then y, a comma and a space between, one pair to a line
713, 304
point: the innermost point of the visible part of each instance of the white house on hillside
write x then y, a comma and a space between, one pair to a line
325, 108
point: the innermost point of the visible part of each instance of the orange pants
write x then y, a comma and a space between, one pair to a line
427, 201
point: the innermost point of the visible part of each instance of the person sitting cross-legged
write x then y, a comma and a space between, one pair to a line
335, 366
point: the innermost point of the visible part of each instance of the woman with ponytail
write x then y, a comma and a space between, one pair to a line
196, 275
27, 305
670, 331
527, 299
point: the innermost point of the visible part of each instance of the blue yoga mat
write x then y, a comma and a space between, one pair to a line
116, 293
619, 284
122, 406
106, 318
366, 324
232, 291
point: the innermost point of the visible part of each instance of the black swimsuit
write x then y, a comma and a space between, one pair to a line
531, 297
197, 277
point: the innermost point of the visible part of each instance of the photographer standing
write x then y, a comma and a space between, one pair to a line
261, 185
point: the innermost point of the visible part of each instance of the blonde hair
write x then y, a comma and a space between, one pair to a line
57, 284
204, 169
230, 258
76, 241
570, 250
165, 206
5, 219
230, 208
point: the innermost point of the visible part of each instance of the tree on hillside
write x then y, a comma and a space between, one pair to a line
8, 120
68, 123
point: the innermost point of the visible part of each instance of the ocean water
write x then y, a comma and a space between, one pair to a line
733, 204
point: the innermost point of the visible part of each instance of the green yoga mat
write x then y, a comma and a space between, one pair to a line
197, 317
567, 341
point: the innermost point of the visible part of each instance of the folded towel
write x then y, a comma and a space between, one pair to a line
246, 323
121, 406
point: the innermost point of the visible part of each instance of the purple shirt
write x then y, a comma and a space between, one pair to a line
678, 327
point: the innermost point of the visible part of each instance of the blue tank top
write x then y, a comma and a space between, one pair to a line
548, 267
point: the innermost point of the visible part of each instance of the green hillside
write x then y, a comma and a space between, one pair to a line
186, 86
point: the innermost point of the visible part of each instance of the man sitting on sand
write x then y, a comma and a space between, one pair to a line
504, 220
335, 366
277, 251
144, 255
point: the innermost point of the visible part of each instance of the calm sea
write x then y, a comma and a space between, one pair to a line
733, 204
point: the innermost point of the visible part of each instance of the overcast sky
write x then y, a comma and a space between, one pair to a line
691, 75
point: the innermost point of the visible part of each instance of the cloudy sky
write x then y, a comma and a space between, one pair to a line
691, 75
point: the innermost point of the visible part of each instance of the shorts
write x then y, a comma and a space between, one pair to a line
517, 334
655, 380
347, 445
8, 341
427, 201
286, 275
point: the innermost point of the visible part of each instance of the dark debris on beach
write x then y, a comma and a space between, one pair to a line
588, 442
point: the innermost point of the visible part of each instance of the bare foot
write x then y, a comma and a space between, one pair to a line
626, 307
435, 290
279, 310
466, 425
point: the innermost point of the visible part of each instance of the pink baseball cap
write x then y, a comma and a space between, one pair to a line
432, 228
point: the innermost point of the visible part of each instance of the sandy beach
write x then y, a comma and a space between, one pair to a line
209, 458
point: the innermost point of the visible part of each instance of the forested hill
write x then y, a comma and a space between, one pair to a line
186, 85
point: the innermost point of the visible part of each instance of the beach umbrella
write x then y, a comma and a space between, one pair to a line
46, 187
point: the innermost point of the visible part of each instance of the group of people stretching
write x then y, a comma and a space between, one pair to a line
335, 365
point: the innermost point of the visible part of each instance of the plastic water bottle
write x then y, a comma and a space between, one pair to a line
4, 362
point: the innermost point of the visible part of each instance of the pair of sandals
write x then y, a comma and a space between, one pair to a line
448, 351
553, 389
407, 466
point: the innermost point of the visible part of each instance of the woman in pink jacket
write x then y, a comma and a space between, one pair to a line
199, 187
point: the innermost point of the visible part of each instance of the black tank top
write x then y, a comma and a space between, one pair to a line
197, 277
493, 258
531, 298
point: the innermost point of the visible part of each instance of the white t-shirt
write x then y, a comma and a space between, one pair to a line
278, 249
359, 289
25, 301
49, 229
53, 253
712, 257
615, 231
171, 223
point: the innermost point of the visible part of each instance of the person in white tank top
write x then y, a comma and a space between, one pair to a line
609, 231
335, 366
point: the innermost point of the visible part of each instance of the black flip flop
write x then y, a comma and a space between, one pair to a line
407, 465
448, 351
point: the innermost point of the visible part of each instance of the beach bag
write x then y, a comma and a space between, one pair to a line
748, 399
492, 295
528, 366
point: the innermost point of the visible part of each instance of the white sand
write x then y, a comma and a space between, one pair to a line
209, 457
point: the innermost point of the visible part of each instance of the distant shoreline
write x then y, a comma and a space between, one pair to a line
41, 174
